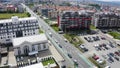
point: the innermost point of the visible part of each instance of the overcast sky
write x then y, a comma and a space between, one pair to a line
109, 0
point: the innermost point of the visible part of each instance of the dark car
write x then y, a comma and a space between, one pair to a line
116, 58
117, 53
111, 59
60, 46
112, 54
69, 55
111, 45
85, 49
106, 47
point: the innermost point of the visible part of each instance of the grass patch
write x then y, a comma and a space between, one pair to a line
47, 20
55, 27
98, 65
51, 61
92, 27
40, 31
9, 15
116, 35
73, 39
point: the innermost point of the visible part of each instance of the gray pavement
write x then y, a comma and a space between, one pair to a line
90, 46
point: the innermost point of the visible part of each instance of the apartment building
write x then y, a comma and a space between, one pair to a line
106, 20
17, 27
74, 20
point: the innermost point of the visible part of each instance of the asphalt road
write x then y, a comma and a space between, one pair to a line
66, 46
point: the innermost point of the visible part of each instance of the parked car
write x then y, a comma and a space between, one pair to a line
116, 58
111, 45
111, 54
95, 57
83, 48
100, 61
107, 67
104, 56
65, 40
117, 53
69, 55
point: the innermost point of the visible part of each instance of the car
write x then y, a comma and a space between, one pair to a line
50, 33
69, 55
64, 66
106, 47
60, 32
118, 44
111, 45
75, 61
111, 59
56, 41
104, 56
82, 46
116, 58
65, 40
95, 57
111, 54
117, 53
60, 46
100, 61
103, 38
107, 67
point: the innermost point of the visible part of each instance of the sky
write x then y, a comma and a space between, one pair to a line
109, 0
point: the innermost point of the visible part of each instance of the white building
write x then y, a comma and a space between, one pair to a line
30, 45
17, 27
38, 65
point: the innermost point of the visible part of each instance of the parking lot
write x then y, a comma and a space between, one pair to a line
103, 48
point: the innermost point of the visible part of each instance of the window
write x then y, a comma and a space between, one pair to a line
33, 47
39, 47
44, 46
19, 52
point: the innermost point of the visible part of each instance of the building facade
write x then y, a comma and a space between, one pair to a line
17, 27
74, 20
30, 45
106, 20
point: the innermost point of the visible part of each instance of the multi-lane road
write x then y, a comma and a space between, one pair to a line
66, 46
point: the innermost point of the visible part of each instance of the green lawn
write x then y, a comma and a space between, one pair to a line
9, 15
73, 39
116, 35
40, 31
47, 20
51, 61
55, 27
92, 27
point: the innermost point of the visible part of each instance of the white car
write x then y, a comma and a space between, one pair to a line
82, 46
65, 40
50, 33
107, 67
100, 61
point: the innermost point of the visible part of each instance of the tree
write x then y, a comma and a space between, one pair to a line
28, 14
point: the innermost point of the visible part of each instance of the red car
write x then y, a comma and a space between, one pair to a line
117, 53
95, 57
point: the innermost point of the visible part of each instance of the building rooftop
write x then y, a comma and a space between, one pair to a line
38, 65
20, 19
31, 39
